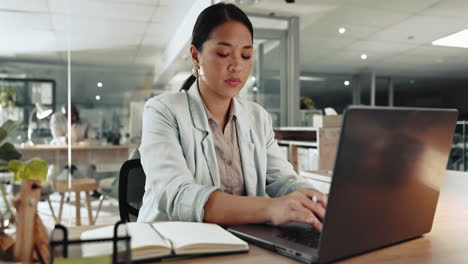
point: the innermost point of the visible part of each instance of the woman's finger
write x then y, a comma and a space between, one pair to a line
315, 208
324, 200
296, 216
311, 220
316, 196
298, 206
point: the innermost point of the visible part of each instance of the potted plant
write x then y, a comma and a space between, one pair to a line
13, 170
8, 97
7, 153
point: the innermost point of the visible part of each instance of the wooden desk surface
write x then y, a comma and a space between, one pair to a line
104, 157
446, 243
74, 147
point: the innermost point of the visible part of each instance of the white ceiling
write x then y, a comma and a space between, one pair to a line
396, 35
121, 32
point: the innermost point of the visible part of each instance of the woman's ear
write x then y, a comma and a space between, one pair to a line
195, 58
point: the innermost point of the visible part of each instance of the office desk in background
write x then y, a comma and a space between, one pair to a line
447, 242
105, 157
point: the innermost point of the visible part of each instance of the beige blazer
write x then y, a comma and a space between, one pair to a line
179, 159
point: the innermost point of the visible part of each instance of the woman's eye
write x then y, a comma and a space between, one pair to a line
245, 57
223, 55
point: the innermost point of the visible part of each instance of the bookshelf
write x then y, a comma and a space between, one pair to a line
324, 140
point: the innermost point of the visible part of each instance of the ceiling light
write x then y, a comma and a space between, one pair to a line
253, 78
342, 30
346, 83
246, 2
312, 78
255, 88
457, 40
98, 97
99, 84
364, 56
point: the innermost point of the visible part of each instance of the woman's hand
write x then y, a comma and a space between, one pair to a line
299, 206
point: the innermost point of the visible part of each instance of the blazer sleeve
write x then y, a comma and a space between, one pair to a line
169, 181
281, 179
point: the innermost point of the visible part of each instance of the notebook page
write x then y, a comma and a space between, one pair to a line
187, 233
142, 235
98, 248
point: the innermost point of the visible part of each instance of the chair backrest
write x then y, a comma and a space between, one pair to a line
131, 189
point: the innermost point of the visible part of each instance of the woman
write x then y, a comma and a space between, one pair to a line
80, 128
211, 157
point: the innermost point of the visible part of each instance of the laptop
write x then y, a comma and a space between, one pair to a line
385, 186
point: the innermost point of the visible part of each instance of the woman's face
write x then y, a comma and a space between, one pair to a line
225, 60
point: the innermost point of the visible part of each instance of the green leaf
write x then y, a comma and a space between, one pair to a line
3, 134
33, 169
8, 152
17, 168
10, 127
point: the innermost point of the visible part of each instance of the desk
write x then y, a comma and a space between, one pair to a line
447, 243
82, 156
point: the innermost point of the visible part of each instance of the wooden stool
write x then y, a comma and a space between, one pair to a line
77, 186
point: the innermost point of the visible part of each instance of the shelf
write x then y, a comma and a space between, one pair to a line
321, 175
296, 128
297, 143
324, 140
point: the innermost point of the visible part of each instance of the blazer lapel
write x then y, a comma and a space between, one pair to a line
246, 149
200, 122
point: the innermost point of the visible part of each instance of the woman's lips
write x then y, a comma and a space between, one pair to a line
232, 81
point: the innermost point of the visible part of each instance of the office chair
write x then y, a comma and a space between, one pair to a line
131, 189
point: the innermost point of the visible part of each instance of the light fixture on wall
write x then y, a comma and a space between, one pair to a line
41, 113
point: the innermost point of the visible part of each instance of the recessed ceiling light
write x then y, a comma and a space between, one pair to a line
255, 88
364, 56
458, 40
98, 97
342, 30
99, 84
346, 83
253, 78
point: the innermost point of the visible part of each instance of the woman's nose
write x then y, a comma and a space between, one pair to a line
235, 65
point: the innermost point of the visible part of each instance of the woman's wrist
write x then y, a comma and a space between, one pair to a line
268, 210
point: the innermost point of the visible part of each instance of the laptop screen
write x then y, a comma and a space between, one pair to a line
386, 178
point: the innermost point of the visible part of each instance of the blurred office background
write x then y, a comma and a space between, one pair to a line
115, 54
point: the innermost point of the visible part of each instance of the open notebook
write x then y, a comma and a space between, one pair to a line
166, 239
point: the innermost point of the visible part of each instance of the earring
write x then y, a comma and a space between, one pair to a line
195, 72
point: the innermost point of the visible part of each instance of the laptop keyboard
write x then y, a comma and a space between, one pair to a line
308, 237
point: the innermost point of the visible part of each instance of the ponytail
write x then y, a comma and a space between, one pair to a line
188, 83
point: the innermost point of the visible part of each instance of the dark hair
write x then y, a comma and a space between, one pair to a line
209, 19
74, 111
